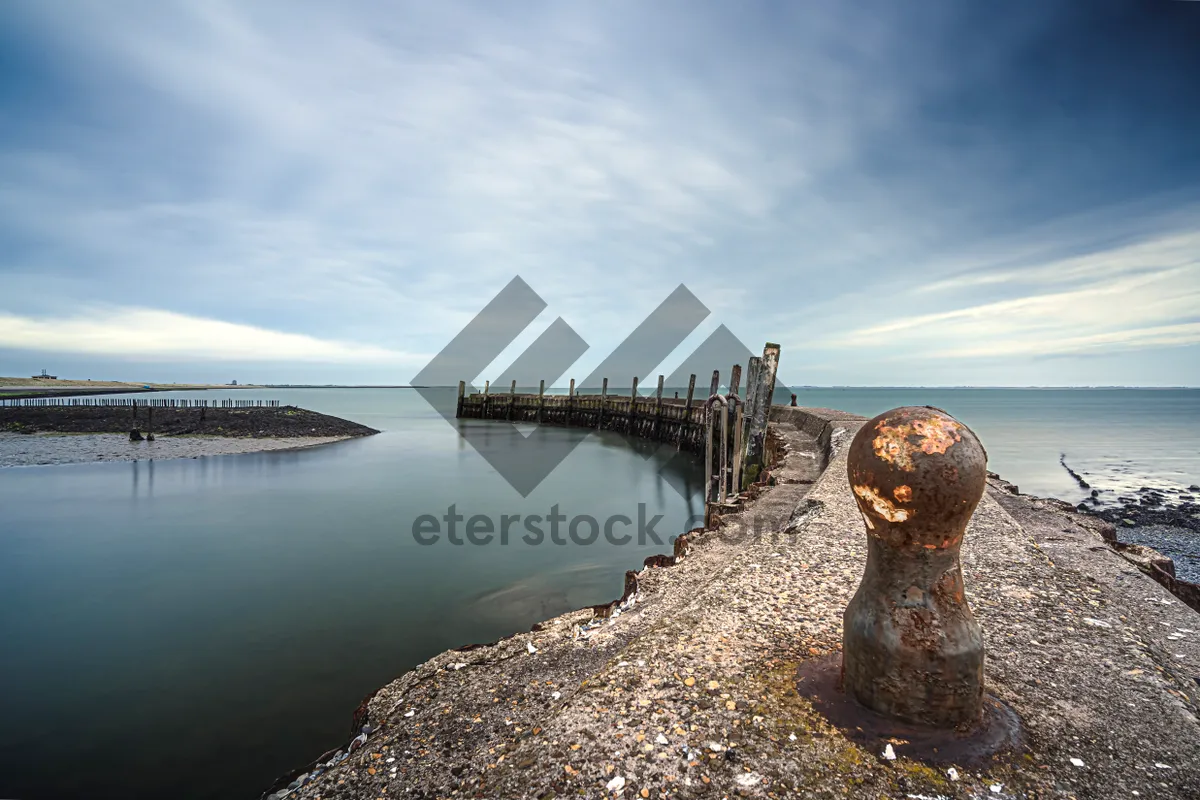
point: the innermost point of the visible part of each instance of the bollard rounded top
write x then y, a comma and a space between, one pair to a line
917, 474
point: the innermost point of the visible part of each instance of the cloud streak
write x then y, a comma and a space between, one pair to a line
148, 333
375, 174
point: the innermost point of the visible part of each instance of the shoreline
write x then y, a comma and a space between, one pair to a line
47, 435
100, 448
686, 685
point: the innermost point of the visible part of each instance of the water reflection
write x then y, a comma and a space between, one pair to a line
262, 595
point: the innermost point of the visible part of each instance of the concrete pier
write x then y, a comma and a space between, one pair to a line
686, 685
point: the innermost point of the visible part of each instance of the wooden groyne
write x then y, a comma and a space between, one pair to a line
130, 402
669, 420
729, 430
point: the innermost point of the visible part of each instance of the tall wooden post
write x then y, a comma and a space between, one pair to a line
541, 399
512, 399
687, 410
603, 400
462, 390
632, 405
761, 410
753, 367
739, 413
571, 402
657, 408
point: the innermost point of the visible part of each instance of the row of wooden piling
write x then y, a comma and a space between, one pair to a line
728, 429
671, 420
126, 402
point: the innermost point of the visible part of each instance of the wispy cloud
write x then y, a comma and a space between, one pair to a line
147, 333
367, 173
1137, 296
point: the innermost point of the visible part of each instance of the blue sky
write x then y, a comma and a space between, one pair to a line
934, 193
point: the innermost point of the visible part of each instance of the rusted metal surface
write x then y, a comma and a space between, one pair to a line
912, 650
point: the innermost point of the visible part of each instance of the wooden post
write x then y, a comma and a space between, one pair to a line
708, 464
657, 409
462, 390
150, 423
739, 409
632, 405
724, 473
686, 421
570, 402
512, 399
761, 411
603, 400
752, 370
541, 399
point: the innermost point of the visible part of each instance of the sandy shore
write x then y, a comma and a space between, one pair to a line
27, 450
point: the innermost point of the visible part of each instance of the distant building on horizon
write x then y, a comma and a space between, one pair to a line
233, 383
45, 377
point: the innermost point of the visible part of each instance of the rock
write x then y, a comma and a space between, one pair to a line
135, 436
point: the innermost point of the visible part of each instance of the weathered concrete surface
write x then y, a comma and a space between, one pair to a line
688, 689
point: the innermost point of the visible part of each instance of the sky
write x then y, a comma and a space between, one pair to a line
934, 193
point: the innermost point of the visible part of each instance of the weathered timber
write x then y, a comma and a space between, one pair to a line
760, 408
664, 420
739, 451
688, 402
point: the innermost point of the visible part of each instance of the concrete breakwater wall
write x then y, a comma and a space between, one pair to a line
689, 685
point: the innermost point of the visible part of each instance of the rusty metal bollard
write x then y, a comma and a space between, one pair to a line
911, 648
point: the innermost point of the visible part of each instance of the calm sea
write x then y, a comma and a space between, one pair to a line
194, 628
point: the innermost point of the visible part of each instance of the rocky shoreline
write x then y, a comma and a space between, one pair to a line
687, 686
1164, 518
